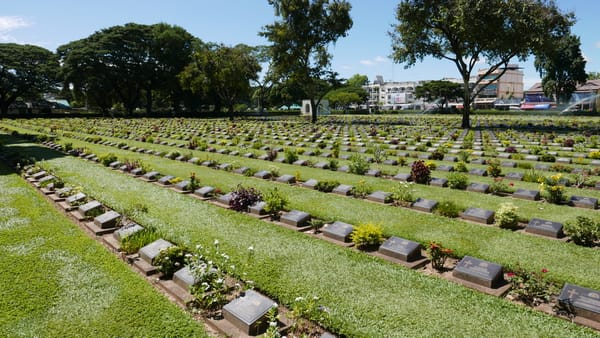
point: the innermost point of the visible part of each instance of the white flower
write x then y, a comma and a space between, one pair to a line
274, 305
199, 246
299, 299
273, 324
216, 242
251, 248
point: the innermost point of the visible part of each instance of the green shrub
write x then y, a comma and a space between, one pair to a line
362, 189
367, 235
524, 165
457, 180
494, 168
583, 231
133, 243
170, 260
333, 164
275, 202
290, 156
358, 165
547, 158
242, 198
532, 176
448, 209
531, 288
326, 186
107, 159
506, 216
461, 167
402, 194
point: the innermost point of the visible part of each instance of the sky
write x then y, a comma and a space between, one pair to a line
365, 50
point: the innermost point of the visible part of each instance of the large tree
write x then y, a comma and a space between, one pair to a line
300, 40
467, 32
222, 72
439, 90
562, 68
26, 71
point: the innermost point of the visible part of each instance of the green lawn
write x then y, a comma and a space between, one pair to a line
58, 282
365, 296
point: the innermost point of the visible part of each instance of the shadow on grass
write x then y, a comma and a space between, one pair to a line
16, 150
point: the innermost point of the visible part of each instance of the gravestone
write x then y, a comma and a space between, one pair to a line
301, 162
478, 172
78, 197
504, 155
296, 218
508, 164
545, 228
204, 191
531, 195
343, 169
445, 167
478, 187
63, 191
151, 176
150, 251
478, 161
541, 166
322, 165
338, 231
402, 177
585, 302
249, 312
182, 186
258, 208
402, 249
424, 156
248, 155
224, 166
390, 162
478, 215
107, 220
194, 160
264, 174
438, 182
379, 196
310, 184
480, 272
234, 153
584, 202
450, 158
115, 164
563, 160
184, 278
514, 176
343, 189
165, 180
89, 207
39, 175
373, 172
290, 179
241, 170
209, 164
225, 199
126, 231
423, 204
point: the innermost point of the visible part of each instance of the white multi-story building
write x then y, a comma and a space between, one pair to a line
391, 95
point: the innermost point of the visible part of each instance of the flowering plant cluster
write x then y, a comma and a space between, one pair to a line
553, 187
532, 288
171, 259
438, 254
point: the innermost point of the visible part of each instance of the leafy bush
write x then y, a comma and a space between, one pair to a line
531, 288
524, 165
583, 231
367, 235
553, 188
461, 167
107, 159
547, 158
333, 164
402, 194
420, 173
493, 168
532, 176
457, 180
438, 255
358, 165
448, 209
431, 165
133, 243
242, 198
595, 155
290, 156
362, 189
275, 202
568, 142
506, 216
170, 259
209, 271
326, 186
561, 168
498, 186
316, 224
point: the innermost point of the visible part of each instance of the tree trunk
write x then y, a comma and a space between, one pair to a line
313, 108
466, 118
148, 102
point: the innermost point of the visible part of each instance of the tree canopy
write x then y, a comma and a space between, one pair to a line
467, 32
562, 68
26, 71
300, 40
439, 90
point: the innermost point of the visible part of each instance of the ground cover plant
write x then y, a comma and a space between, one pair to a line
57, 282
276, 254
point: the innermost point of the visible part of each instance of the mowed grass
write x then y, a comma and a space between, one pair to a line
486, 242
55, 281
365, 296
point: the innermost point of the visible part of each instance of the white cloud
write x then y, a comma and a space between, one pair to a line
367, 63
9, 24
597, 44
381, 59
375, 61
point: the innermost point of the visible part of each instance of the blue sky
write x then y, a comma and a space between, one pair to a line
364, 51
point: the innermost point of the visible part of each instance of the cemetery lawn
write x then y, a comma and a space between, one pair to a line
486, 242
365, 296
57, 282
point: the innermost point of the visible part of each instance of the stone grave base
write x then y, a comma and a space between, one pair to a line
46, 191
143, 266
201, 198
229, 330
78, 215
66, 206
181, 295
219, 204
56, 198
293, 227
98, 231
180, 191
498, 292
111, 242
417, 264
320, 235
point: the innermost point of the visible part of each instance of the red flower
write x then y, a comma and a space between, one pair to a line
544, 270
511, 184
510, 274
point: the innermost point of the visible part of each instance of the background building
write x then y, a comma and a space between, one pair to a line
506, 90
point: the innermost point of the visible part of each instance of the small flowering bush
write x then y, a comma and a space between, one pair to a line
438, 255
448, 208
275, 202
362, 189
552, 188
493, 168
583, 231
420, 173
367, 235
506, 216
457, 180
358, 165
498, 186
302, 310
209, 269
326, 186
532, 288
170, 260
403, 194
194, 182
